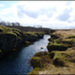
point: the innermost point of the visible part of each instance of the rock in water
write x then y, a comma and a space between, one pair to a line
41, 47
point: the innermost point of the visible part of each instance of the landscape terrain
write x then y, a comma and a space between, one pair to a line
60, 57
37, 37
12, 39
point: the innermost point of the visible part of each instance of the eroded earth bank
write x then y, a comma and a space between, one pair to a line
60, 58
12, 39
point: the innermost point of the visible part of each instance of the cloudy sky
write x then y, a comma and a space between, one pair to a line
52, 14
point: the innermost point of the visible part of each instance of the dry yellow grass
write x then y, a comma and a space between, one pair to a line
67, 56
64, 33
50, 68
58, 70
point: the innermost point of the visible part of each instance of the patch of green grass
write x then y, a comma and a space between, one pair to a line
1, 30
40, 54
35, 62
40, 59
60, 44
17, 33
35, 71
59, 40
61, 52
33, 34
10, 31
57, 46
71, 36
55, 36
58, 54
61, 63
69, 41
59, 58
58, 62
27, 43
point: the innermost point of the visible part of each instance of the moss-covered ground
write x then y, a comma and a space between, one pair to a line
10, 31
12, 38
60, 58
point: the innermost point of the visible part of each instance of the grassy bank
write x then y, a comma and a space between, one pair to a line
12, 39
60, 58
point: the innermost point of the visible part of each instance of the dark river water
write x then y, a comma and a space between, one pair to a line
17, 63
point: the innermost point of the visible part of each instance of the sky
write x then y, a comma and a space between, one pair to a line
51, 14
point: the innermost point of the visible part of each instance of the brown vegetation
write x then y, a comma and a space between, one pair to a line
61, 62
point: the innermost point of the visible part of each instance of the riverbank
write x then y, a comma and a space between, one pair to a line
12, 39
18, 61
60, 58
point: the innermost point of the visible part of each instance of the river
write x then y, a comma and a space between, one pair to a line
17, 63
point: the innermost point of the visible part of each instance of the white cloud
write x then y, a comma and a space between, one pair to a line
53, 14
2, 5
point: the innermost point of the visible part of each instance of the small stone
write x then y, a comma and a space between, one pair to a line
41, 47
